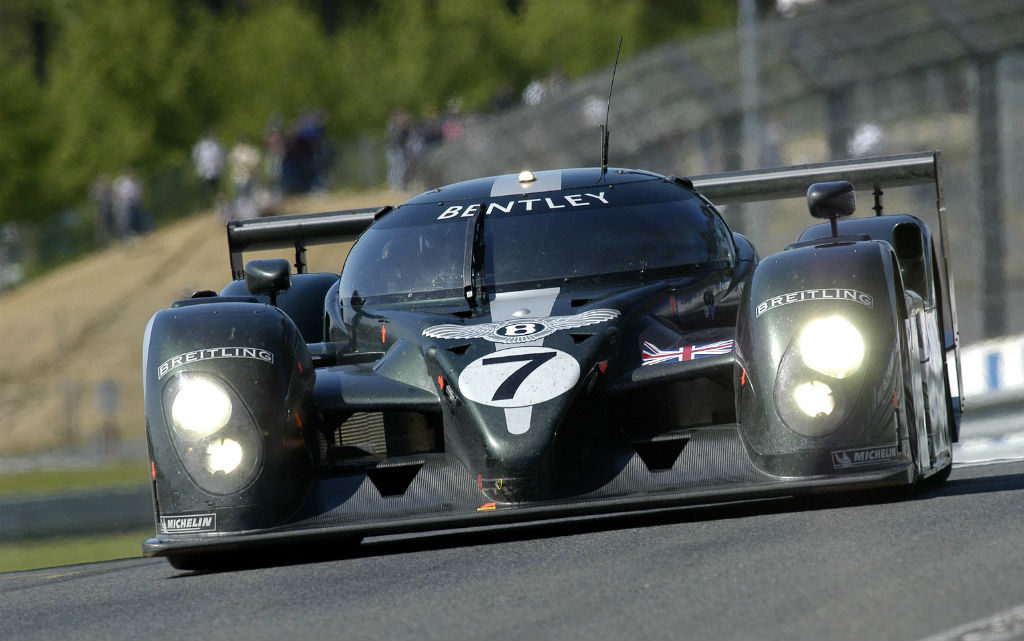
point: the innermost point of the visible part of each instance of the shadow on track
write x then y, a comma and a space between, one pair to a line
976, 485
489, 535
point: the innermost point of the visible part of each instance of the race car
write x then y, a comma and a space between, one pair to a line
552, 344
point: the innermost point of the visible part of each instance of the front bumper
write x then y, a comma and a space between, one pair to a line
435, 492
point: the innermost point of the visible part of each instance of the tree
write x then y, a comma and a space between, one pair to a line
273, 59
96, 87
25, 141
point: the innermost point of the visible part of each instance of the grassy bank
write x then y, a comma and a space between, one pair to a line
78, 330
52, 552
56, 551
51, 481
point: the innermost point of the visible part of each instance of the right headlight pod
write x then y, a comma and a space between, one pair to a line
819, 376
213, 432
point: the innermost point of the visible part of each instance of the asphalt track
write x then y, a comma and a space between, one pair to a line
946, 563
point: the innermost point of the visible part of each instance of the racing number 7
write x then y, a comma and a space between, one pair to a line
510, 385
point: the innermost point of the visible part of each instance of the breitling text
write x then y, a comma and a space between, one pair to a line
829, 293
213, 352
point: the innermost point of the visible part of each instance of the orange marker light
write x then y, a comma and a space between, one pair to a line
152, 469
487, 507
383, 333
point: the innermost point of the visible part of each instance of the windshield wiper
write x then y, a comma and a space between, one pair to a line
473, 260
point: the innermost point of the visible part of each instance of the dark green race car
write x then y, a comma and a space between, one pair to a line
551, 344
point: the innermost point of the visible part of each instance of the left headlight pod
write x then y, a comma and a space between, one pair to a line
213, 432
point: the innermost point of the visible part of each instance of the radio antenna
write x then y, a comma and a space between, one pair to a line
607, 113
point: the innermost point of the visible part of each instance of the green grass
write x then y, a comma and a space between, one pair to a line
57, 551
50, 481
52, 552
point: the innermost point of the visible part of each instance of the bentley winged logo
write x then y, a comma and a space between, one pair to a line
521, 330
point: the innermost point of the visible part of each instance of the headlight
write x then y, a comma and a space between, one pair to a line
814, 398
200, 406
213, 432
223, 455
820, 376
832, 346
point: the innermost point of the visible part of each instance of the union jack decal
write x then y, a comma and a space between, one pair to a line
653, 355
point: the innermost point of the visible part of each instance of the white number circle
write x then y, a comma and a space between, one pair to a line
519, 377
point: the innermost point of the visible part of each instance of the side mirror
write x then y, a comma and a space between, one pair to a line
831, 200
270, 276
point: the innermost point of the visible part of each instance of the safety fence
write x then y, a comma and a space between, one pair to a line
993, 388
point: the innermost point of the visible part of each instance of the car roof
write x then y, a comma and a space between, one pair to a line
543, 181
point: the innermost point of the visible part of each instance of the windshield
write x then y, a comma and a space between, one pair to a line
416, 251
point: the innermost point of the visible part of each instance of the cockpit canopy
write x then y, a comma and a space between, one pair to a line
626, 232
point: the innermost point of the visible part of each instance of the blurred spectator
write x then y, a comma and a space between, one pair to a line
324, 158
102, 193
409, 139
273, 152
540, 90
11, 244
244, 160
128, 214
427, 133
504, 98
451, 126
533, 95
208, 158
398, 132
306, 156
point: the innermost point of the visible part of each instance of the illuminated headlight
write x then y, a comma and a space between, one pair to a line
814, 398
200, 406
223, 455
213, 432
832, 346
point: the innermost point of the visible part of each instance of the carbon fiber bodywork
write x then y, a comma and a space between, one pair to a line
432, 388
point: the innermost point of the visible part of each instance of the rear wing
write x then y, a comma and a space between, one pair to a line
298, 231
792, 182
903, 170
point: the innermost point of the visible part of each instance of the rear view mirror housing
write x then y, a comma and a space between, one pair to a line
268, 276
832, 200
